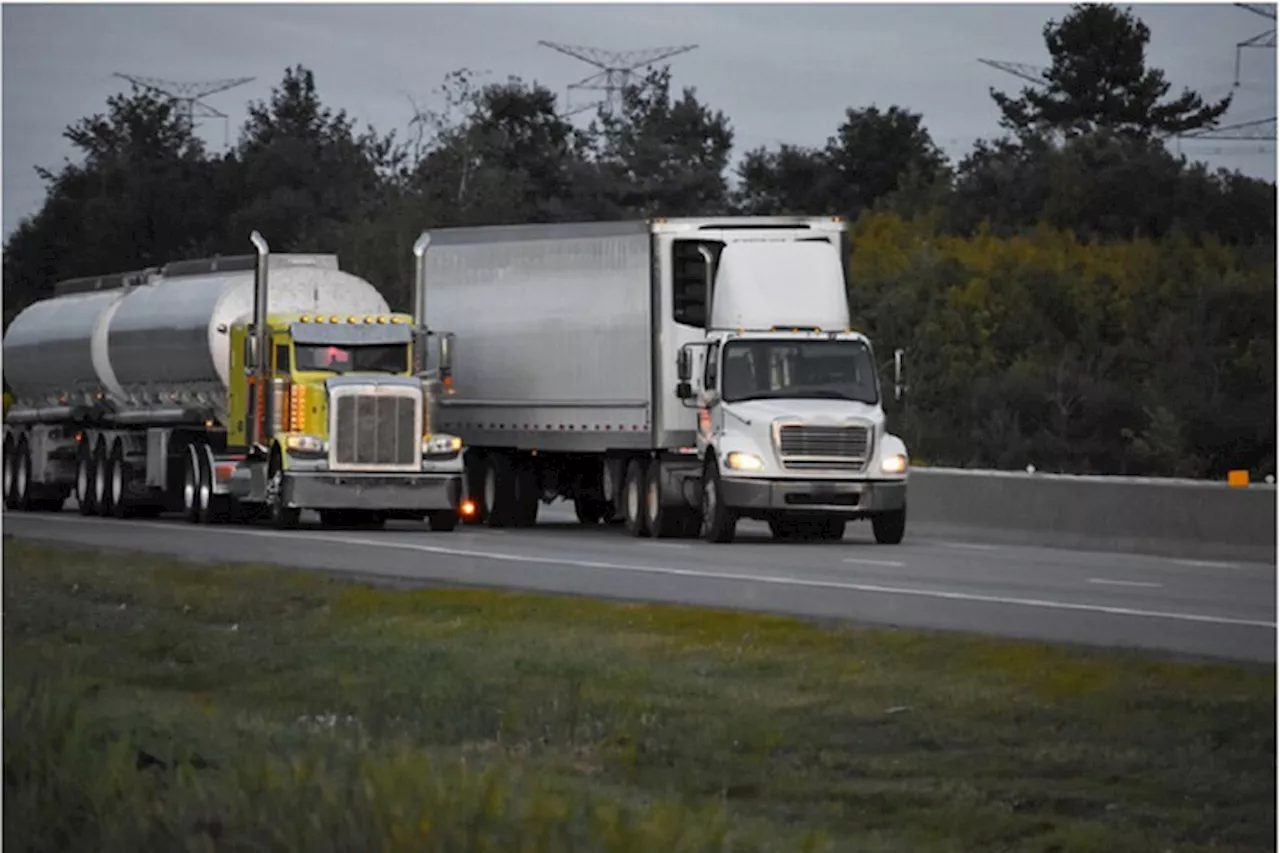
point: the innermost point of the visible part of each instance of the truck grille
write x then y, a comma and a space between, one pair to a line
374, 430
846, 447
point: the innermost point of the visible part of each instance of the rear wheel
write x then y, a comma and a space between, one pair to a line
22, 478
633, 489
664, 522
85, 499
101, 479
499, 490
119, 482
10, 472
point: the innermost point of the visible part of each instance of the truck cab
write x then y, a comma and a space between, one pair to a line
344, 406
790, 423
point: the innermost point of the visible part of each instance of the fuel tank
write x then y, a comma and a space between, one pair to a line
162, 342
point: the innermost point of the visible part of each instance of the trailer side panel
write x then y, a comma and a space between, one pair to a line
554, 329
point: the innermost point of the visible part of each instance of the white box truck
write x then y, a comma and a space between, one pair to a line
679, 373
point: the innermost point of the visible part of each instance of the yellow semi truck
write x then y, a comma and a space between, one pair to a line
232, 388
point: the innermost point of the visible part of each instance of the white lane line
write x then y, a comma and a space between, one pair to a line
1125, 583
859, 561
1207, 564
775, 580
972, 546
665, 544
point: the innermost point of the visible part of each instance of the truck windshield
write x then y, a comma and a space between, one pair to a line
831, 370
341, 358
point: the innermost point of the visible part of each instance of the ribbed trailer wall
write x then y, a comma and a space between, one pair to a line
554, 327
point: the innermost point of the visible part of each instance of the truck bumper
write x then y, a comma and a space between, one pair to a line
329, 490
849, 498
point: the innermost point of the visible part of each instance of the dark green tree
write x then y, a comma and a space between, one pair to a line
1099, 80
142, 192
661, 156
302, 171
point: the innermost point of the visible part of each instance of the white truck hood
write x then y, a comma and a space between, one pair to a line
816, 411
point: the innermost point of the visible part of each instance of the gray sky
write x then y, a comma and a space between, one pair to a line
780, 72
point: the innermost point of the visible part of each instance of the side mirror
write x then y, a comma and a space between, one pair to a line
684, 391
684, 366
899, 384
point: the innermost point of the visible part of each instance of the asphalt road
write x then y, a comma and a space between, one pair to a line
1214, 609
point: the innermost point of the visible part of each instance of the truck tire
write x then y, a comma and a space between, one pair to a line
191, 486
10, 473
22, 477
85, 502
633, 488
664, 522
499, 495
282, 517
590, 511
719, 522
119, 483
890, 526
101, 479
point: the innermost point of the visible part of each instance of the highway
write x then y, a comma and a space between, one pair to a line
1187, 607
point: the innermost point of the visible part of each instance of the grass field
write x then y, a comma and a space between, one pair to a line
151, 705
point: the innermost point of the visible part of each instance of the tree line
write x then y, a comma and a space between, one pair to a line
1070, 293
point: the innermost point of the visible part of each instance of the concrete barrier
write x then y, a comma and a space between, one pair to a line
1190, 519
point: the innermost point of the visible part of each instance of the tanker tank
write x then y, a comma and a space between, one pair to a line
165, 343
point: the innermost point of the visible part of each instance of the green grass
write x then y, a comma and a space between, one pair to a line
476, 720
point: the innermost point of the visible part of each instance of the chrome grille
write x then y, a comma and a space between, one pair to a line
844, 447
376, 430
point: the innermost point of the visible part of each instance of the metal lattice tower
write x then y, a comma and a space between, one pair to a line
1262, 39
187, 96
1032, 73
617, 70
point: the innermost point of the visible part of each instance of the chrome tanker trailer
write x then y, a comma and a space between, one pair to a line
228, 388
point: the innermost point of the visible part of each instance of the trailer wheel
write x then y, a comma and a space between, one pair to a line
499, 490
101, 480
890, 526
633, 498
22, 478
8, 472
85, 500
718, 521
119, 483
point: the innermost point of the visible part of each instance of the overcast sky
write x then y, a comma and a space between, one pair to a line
781, 72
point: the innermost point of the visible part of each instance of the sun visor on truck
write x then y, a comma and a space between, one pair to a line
350, 333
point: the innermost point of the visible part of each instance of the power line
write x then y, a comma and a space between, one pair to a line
1264, 39
187, 97
617, 70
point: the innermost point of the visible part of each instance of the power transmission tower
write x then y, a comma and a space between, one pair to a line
187, 97
617, 70
1033, 73
1263, 39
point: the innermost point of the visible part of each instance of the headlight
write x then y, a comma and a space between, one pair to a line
441, 445
744, 461
305, 444
895, 464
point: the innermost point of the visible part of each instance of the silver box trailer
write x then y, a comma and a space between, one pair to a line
573, 349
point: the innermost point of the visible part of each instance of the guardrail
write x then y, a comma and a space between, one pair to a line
1191, 519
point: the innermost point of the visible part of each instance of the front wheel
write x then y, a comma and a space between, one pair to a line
718, 521
890, 526
283, 517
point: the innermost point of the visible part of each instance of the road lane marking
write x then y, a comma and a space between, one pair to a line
972, 546
891, 563
671, 571
1125, 583
1207, 564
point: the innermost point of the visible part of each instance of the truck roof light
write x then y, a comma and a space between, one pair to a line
305, 318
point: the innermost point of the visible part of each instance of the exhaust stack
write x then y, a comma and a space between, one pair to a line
420, 302
262, 358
